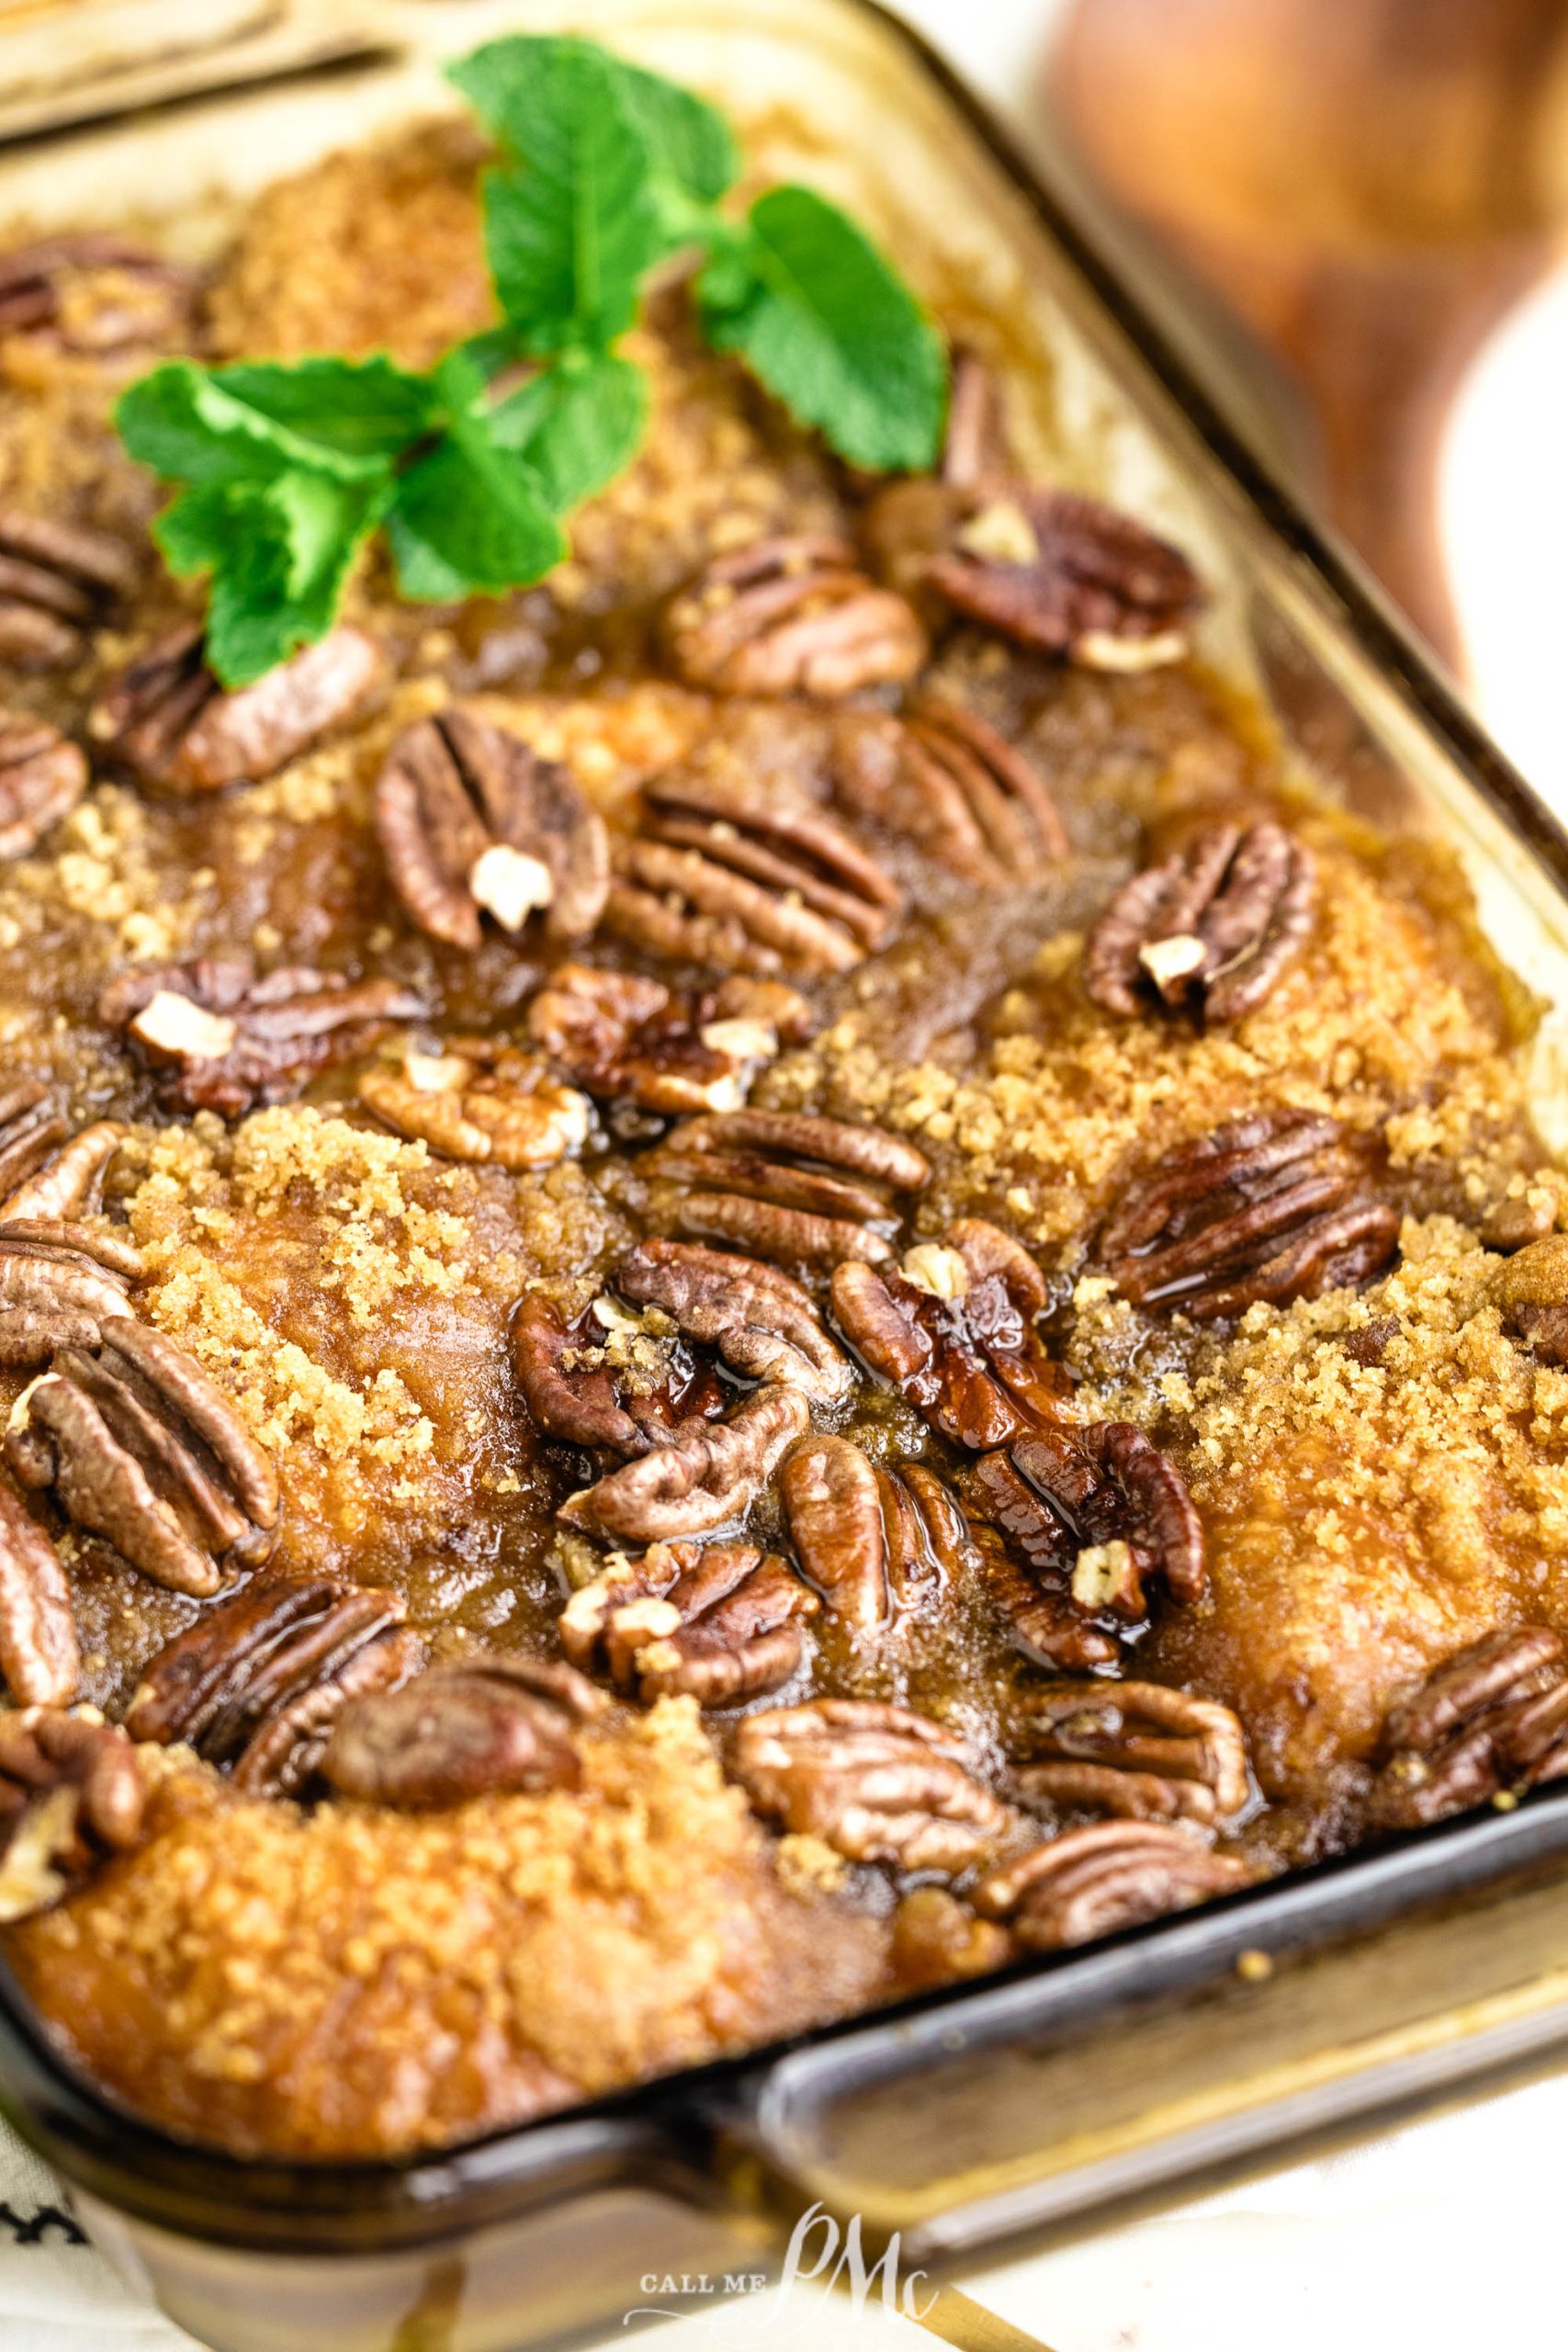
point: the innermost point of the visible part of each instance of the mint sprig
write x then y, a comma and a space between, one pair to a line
287, 470
814, 310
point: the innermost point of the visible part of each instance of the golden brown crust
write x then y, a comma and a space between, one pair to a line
337, 1984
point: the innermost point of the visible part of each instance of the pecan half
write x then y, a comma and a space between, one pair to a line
1135, 1749
876, 1782
489, 1723
1092, 1513
954, 1331
1531, 1290
58, 582
258, 1682
167, 720
71, 1795
718, 1622
64, 1184
1274, 1207
142, 1449
1111, 1874
611, 1380
480, 1100
965, 797
1066, 574
632, 1040
94, 292
1213, 926
792, 616
874, 1541
60, 1282
225, 1040
723, 874
42, 777
763, 1325
780, 1183
1493, 1716
472, 823
707, 1475
32, 1126
40, 1656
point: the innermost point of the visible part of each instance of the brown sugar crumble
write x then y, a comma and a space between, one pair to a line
1204, 1402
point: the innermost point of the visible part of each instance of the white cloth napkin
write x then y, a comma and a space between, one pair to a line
57, 2293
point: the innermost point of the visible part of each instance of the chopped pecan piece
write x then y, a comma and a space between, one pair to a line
42, 777
876, 1782
60, 1282
1092, 1512
707, 1475
71, 1795
167, 720
94, 292
143, 1450
1273, 1207
1215, 925
1112, 1874
1531, 1289
58, 581
226, 1041
1514, 1221
763, 1325
965, 797
258, 1682
1493, 1717
480, 1100
780, 1183
1135, 1749
1063, 574
718, 1622
937, 1938
632, 1040
610, 1379
489, 1723
472, 822
954, 1331
792, 616
874, 1542
727, 875
1371, 1343
40, 1656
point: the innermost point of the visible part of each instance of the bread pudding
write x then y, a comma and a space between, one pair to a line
725, 1288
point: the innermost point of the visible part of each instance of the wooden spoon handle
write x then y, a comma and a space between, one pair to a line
1368, 184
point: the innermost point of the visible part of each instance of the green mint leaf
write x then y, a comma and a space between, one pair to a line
686, 140
469, 518
178, 423
576, 428
189, 426
490, 351
831, 330
569, 233
280, 553
365, 408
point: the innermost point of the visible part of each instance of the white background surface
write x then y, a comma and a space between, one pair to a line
1446, 2234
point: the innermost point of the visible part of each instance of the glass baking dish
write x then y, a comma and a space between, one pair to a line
1061, 2083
